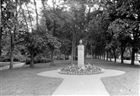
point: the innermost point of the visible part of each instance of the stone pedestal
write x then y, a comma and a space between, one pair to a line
80, 55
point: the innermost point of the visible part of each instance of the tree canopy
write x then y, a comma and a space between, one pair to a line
108, 28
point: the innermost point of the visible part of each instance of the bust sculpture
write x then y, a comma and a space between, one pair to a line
80, 42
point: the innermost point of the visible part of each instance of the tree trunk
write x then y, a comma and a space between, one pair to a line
133, 56
104, 55
107, 56
110, 56
100, 56
91, 51
64, 56
73, 46
0, 41
85, 51
114, 53
95, 56
72, 55
25, 19
36, 14
122, 52
11, 60
13, 31
11, 51
32, 59
52, 60
31, 24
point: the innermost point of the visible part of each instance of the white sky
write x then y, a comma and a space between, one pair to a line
50, 4
39, 8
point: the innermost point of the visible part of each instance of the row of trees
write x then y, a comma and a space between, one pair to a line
106, 27
121, 28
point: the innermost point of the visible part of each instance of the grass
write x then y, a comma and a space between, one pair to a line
126, 84
6, 63
24, 81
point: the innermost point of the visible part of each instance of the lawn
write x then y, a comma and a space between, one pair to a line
24, 81
127, 84
6, 63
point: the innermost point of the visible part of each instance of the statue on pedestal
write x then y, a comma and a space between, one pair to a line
80, 54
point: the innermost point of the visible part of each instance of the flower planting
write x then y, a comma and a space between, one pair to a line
85, 70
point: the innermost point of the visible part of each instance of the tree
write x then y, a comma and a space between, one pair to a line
11, 23
135, 37
79, 8
9, 14
127, 11
55, 18
98, 32
118, 28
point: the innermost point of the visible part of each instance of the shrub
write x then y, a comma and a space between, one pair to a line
41, 60
86, 70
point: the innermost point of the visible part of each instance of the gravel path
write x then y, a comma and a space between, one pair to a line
81, 85
24, 81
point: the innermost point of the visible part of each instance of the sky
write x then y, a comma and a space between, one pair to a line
50, 4
39, 8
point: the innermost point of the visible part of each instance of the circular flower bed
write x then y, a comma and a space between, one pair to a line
86, 70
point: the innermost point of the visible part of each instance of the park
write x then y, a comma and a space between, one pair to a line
70, 48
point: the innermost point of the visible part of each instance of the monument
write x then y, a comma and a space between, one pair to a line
81, 68
80, 54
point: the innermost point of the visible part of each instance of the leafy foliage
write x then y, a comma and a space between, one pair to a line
86, 70
103, 25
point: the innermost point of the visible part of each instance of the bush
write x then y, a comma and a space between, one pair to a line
16, 58
42, 60
7, 59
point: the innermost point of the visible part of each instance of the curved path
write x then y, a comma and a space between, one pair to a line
81, 84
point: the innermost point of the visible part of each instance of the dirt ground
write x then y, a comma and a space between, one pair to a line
24, 81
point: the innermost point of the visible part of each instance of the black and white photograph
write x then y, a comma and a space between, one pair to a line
70, 48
